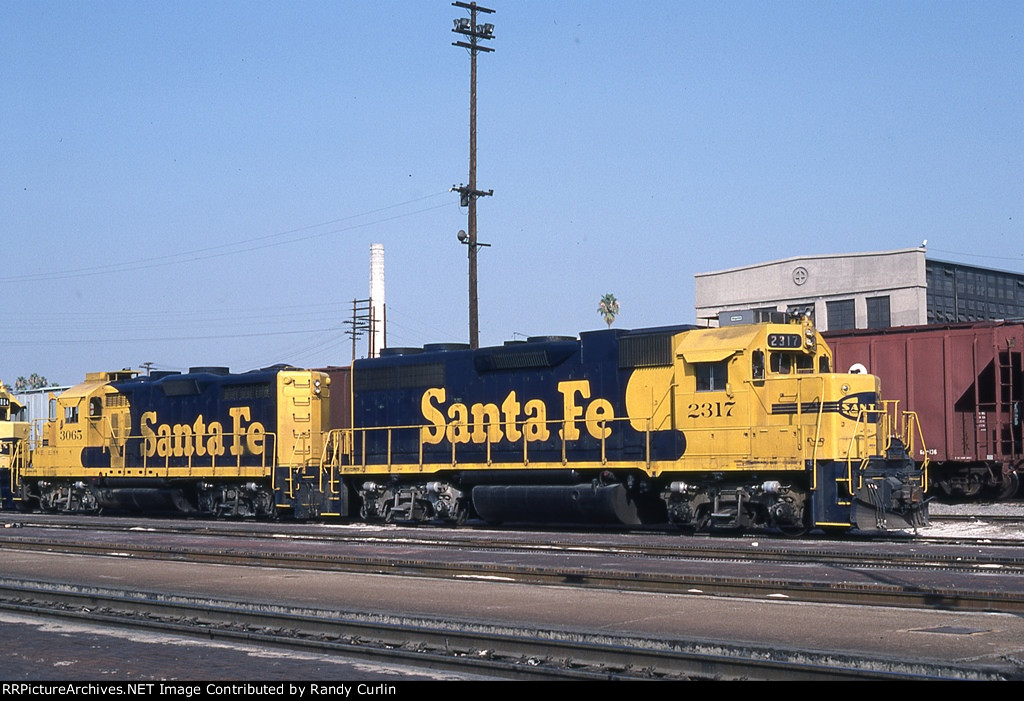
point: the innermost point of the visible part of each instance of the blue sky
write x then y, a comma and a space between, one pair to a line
199, 183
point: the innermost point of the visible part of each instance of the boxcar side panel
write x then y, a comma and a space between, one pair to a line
964, 381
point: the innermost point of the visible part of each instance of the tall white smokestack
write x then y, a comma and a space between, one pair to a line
377, 336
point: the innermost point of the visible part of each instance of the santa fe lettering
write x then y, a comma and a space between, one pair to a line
512, 419
200, 438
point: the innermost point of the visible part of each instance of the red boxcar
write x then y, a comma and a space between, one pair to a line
966, 383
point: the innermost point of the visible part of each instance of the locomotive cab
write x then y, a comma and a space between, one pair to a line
82, 439
758, 403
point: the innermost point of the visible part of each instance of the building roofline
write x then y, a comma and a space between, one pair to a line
975, 267
823, 256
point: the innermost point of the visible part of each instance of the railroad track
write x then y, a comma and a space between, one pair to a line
1006, 554
751, 568
479, 648
933, 576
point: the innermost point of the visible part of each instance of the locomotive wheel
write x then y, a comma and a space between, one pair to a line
799, 530
794, 530
24, 505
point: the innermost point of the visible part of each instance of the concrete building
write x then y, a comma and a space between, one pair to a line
864, 290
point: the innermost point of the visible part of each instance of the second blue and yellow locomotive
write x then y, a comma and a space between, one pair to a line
206, 441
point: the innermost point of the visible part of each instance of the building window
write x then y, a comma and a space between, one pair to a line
841, 314
961, 293
712, 377
878, 313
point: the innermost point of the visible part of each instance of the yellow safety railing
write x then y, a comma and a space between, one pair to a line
889, 424
349, 446
136, 456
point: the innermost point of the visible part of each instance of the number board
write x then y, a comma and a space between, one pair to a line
784, 340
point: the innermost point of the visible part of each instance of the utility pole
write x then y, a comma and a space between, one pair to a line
362, 320
468, 194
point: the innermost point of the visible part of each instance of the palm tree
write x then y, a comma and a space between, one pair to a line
608, 308
34, 381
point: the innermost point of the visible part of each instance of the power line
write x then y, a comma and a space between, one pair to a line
166, 339
237, 246
1004, 257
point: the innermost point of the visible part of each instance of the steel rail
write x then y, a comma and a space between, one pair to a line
763, 549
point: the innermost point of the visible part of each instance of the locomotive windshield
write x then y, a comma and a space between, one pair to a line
786, 363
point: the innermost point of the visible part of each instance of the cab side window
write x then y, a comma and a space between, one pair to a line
712, 377
757, 365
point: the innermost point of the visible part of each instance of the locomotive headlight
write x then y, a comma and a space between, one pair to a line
316, 386
810, 342
844, 389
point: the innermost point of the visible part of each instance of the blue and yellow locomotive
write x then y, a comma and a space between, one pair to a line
206, 442
727, 427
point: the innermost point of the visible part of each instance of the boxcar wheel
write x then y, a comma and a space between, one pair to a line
1008, 489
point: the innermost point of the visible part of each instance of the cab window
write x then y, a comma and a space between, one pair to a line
712, 377
757, 365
